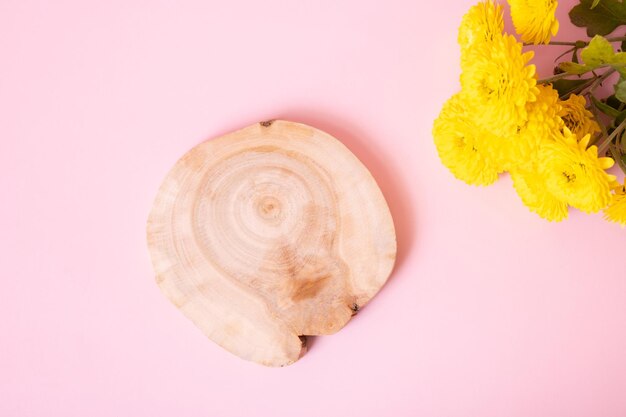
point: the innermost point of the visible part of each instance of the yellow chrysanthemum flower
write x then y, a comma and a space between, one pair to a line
575, 174
532, 189
543, 123
577, 118
461, 143
481, 23
497, 84
535, 20
543, 126
616, 211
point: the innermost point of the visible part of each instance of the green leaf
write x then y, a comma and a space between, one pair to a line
574, 68
565, 87
620, 91
604, 108
613, 101
619, 57
619, 61
600, 20
598, 52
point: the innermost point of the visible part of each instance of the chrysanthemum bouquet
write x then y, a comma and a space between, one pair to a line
555, 136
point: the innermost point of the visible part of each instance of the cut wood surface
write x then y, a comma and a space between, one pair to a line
269, 234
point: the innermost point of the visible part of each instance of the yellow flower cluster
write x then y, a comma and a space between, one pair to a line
616, 211
534, 20
577, 118
502, 120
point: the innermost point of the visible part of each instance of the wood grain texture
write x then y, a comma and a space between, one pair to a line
269, 234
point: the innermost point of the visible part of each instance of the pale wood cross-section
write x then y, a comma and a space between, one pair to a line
269, 234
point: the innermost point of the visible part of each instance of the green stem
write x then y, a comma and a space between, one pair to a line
554, 78
558, 43
617, 156
616, 39
601, 78
596, 83
580, 90
602, 147
592, 84
603, 132
567, 74
577, 44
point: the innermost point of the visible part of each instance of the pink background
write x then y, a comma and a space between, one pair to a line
491, 311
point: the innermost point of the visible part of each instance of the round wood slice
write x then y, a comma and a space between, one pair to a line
269, 234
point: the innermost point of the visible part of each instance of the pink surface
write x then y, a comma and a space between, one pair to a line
491, 311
